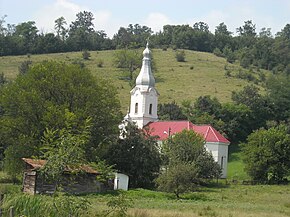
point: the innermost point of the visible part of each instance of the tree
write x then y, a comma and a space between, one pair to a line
59, 28
129, 60
81, 31
248, 29
187, 163
258, 104
41, 98
222, 36
136, 155
170, 111
178, 178
278, 92
64, 147
27, 34
266, 154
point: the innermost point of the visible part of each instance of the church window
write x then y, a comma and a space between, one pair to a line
136, 107
150, 109
222, 162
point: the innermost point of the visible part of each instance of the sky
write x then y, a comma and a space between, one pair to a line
110, 15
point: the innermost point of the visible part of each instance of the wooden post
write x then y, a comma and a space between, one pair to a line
11, 212
1, 201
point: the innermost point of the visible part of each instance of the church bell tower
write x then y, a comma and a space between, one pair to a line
144, 96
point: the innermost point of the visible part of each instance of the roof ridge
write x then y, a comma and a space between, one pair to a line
206, 133
214, 133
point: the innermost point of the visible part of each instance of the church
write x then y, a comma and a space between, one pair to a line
143, 112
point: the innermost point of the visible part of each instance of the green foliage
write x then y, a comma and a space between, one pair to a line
42, 206
218, 52
106, 171
3, 79
45, 95
13, 164
64, 147
180, 56
86, 55
266, 154
24, 67
136, 155
118, 205
185, 146
278, 91
170, 111
178, 178
187, 163
128, 60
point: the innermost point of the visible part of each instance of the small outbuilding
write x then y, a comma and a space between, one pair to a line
121, 181
85, 182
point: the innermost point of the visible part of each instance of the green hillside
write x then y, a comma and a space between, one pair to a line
201, 74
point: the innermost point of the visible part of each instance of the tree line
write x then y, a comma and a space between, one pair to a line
261, 49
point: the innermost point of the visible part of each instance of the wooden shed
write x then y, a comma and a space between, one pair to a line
85, 182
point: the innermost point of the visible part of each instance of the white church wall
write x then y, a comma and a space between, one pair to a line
220, 154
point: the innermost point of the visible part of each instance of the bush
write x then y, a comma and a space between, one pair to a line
24, 67
180, 56
218, 52
86, 55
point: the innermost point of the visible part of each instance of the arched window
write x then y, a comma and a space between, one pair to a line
136, 107
222, 162
150, 109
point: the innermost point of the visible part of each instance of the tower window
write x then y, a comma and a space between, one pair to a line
150, 109
136, 107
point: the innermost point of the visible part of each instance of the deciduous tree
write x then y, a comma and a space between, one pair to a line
266, 154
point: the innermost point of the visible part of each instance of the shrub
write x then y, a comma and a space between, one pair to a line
86, 54
218, 52
24, 67
180, 56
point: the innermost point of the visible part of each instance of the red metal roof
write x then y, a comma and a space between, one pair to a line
163, 129
37, 164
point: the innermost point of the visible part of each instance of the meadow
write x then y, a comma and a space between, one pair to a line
201, 74
219, 200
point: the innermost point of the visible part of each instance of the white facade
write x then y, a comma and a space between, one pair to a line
121, 181
219, 152
144, 96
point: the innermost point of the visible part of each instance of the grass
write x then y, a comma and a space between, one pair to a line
234, 200
236, 167
231, 200
201, 74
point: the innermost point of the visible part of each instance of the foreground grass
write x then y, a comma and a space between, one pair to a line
234, 200
201, 74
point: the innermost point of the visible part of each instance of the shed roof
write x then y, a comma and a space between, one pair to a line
162, 129
37, 164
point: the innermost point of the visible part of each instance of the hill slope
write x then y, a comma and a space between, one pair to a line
201, 74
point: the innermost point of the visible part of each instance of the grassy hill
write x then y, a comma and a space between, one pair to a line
201, 74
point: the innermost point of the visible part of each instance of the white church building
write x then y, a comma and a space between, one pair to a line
143, 112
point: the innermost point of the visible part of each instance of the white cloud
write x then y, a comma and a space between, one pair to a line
46, 16
104, 20
156, 21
